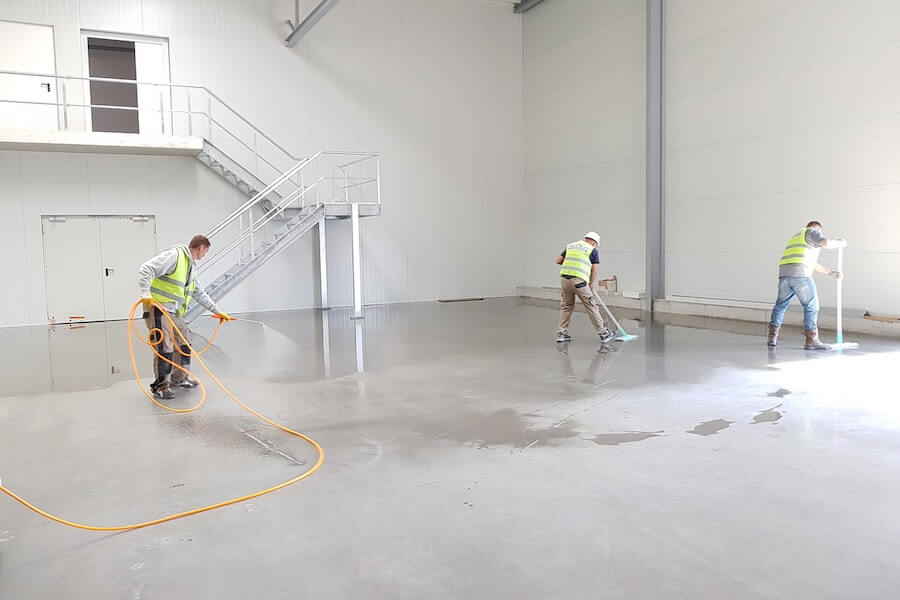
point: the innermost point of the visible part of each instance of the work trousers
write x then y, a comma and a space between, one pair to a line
161, 369
572, 287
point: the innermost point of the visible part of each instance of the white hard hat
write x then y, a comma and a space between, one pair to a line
592, 235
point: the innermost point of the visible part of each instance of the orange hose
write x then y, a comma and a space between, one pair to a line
153, 342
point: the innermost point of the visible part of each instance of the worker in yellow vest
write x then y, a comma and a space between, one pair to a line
799, 261
170, 279
579, 276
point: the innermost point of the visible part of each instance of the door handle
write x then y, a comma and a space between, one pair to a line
109, 271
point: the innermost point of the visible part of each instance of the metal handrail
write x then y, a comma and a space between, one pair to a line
250, 231
159, 83
262, 194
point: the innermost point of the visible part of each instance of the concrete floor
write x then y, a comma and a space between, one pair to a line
467, 456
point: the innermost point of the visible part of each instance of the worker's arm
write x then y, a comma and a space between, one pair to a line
830, 245
595, 271
161, 264
561, 257
595, 277
826, 271
200, 295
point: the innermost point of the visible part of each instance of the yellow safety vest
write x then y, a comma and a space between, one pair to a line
798, 252
177, 286
578, 260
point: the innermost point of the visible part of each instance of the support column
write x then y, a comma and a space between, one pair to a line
357, 274
655, 273
326, 342
323, 267
360, 352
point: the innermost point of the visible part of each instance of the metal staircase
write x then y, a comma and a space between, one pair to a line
325, 185
283, 206
235, 174
291, 231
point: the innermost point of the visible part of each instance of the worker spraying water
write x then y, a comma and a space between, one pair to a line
798, 263
169, 279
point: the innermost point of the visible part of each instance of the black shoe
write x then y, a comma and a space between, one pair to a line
154, 386
164, 393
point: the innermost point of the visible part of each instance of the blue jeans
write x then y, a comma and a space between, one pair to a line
805, 290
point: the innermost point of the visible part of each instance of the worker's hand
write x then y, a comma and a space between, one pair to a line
224, 316
836, 274
147, 301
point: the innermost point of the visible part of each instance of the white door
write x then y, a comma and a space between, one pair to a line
72, 269
151, 66
125, 243
154, 101
27, 48
91, 265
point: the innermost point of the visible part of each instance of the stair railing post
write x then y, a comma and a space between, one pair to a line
209, 119
346, 185
378, 178
162, 113
255, 153
241, 247
250, 227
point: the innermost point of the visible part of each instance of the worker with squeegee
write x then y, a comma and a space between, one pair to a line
169, 279
579, 276
799, 261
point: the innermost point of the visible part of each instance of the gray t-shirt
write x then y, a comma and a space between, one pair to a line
813, 238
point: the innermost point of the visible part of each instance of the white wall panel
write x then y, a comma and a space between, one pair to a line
696, 19
585, 135
779, 113
16, 303
117, 185
124, 17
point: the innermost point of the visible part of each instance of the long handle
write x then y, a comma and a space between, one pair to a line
609, 312
840, 282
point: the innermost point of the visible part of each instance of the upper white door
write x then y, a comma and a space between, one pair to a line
151, 68
27, 48
154, 101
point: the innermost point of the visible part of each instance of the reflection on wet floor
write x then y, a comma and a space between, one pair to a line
448, 423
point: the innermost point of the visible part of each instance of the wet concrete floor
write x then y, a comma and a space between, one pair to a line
467, 456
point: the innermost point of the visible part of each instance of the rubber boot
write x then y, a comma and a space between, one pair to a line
813, 342
773, 335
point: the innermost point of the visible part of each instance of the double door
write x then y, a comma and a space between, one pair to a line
91, 264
